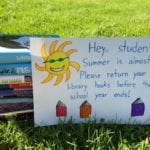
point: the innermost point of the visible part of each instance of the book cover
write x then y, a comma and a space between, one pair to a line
15, 79
15, 69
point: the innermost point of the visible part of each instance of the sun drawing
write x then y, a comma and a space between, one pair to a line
57, 62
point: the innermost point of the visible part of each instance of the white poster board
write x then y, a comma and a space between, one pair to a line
91, 78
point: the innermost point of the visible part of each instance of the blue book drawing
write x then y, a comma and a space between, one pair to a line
14, 55
15, 69
138, 108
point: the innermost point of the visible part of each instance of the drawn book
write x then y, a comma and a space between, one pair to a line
138, 108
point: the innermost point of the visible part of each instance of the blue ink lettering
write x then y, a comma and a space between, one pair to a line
146, 83
97, 49
100, 95
117, 74
125, 83
78, 95
71, 86
122, 94
102, 85
135, 61
138, 74
86, 75
88, 63
134, 48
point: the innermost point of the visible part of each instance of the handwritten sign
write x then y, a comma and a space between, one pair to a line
91, 78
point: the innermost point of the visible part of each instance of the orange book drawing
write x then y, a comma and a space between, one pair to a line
85, 110
57, 62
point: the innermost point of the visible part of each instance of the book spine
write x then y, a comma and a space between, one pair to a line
15, 69
16, 79
15, 100
15, 57
12, 107
4, 86
16, 93
23, 92
20, 86
17, 115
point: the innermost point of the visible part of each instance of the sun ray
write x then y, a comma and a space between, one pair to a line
61, 47
39, 67
49, 78
43, 51
59, 79
52, 47
70, 51
68, 74
75, 65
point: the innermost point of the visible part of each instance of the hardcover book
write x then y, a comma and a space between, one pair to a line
15, 69
14, 79
16, 93
14, 55
15, 100
12, 107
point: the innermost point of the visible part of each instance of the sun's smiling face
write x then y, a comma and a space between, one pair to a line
57, 63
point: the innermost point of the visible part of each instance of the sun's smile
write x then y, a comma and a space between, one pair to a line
57, 69
57, 63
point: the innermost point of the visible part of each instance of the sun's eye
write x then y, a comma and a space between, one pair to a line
51, 61
61, 59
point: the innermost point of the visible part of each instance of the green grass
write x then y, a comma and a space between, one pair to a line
74, 18
22, 135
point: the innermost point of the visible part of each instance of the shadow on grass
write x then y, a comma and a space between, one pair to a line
21, 134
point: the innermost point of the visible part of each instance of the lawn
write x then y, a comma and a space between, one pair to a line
74, 18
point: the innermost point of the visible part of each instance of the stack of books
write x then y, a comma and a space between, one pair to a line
15, 75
